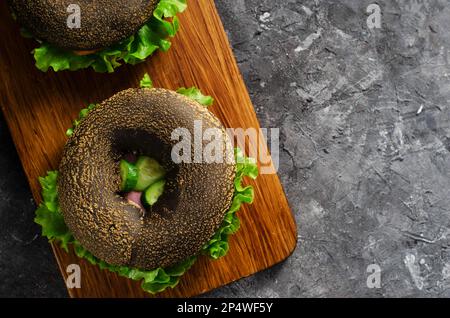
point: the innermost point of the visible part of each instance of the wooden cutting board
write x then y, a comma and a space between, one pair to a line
39, 107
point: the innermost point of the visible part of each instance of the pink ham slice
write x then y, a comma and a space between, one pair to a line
135, 198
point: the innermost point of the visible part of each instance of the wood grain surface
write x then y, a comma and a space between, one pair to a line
39, 107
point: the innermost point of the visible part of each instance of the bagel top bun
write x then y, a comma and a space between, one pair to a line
103, 22
195, 199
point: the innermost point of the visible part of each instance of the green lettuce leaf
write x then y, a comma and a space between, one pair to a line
218, 244
195, 94
135, 49
49, 216
83, 113
146, 82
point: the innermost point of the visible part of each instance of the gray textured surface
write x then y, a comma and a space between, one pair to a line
366, 176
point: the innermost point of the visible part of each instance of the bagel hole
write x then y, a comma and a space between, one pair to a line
130, 145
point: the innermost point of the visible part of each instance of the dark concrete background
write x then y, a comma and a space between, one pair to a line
367, 177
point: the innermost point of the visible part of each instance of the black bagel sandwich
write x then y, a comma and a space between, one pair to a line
101, 34
124, 204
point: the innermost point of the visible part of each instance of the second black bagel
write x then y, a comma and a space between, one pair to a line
103, 22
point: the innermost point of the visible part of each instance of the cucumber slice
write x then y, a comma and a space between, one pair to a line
129, 175
152, 193
149, 171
